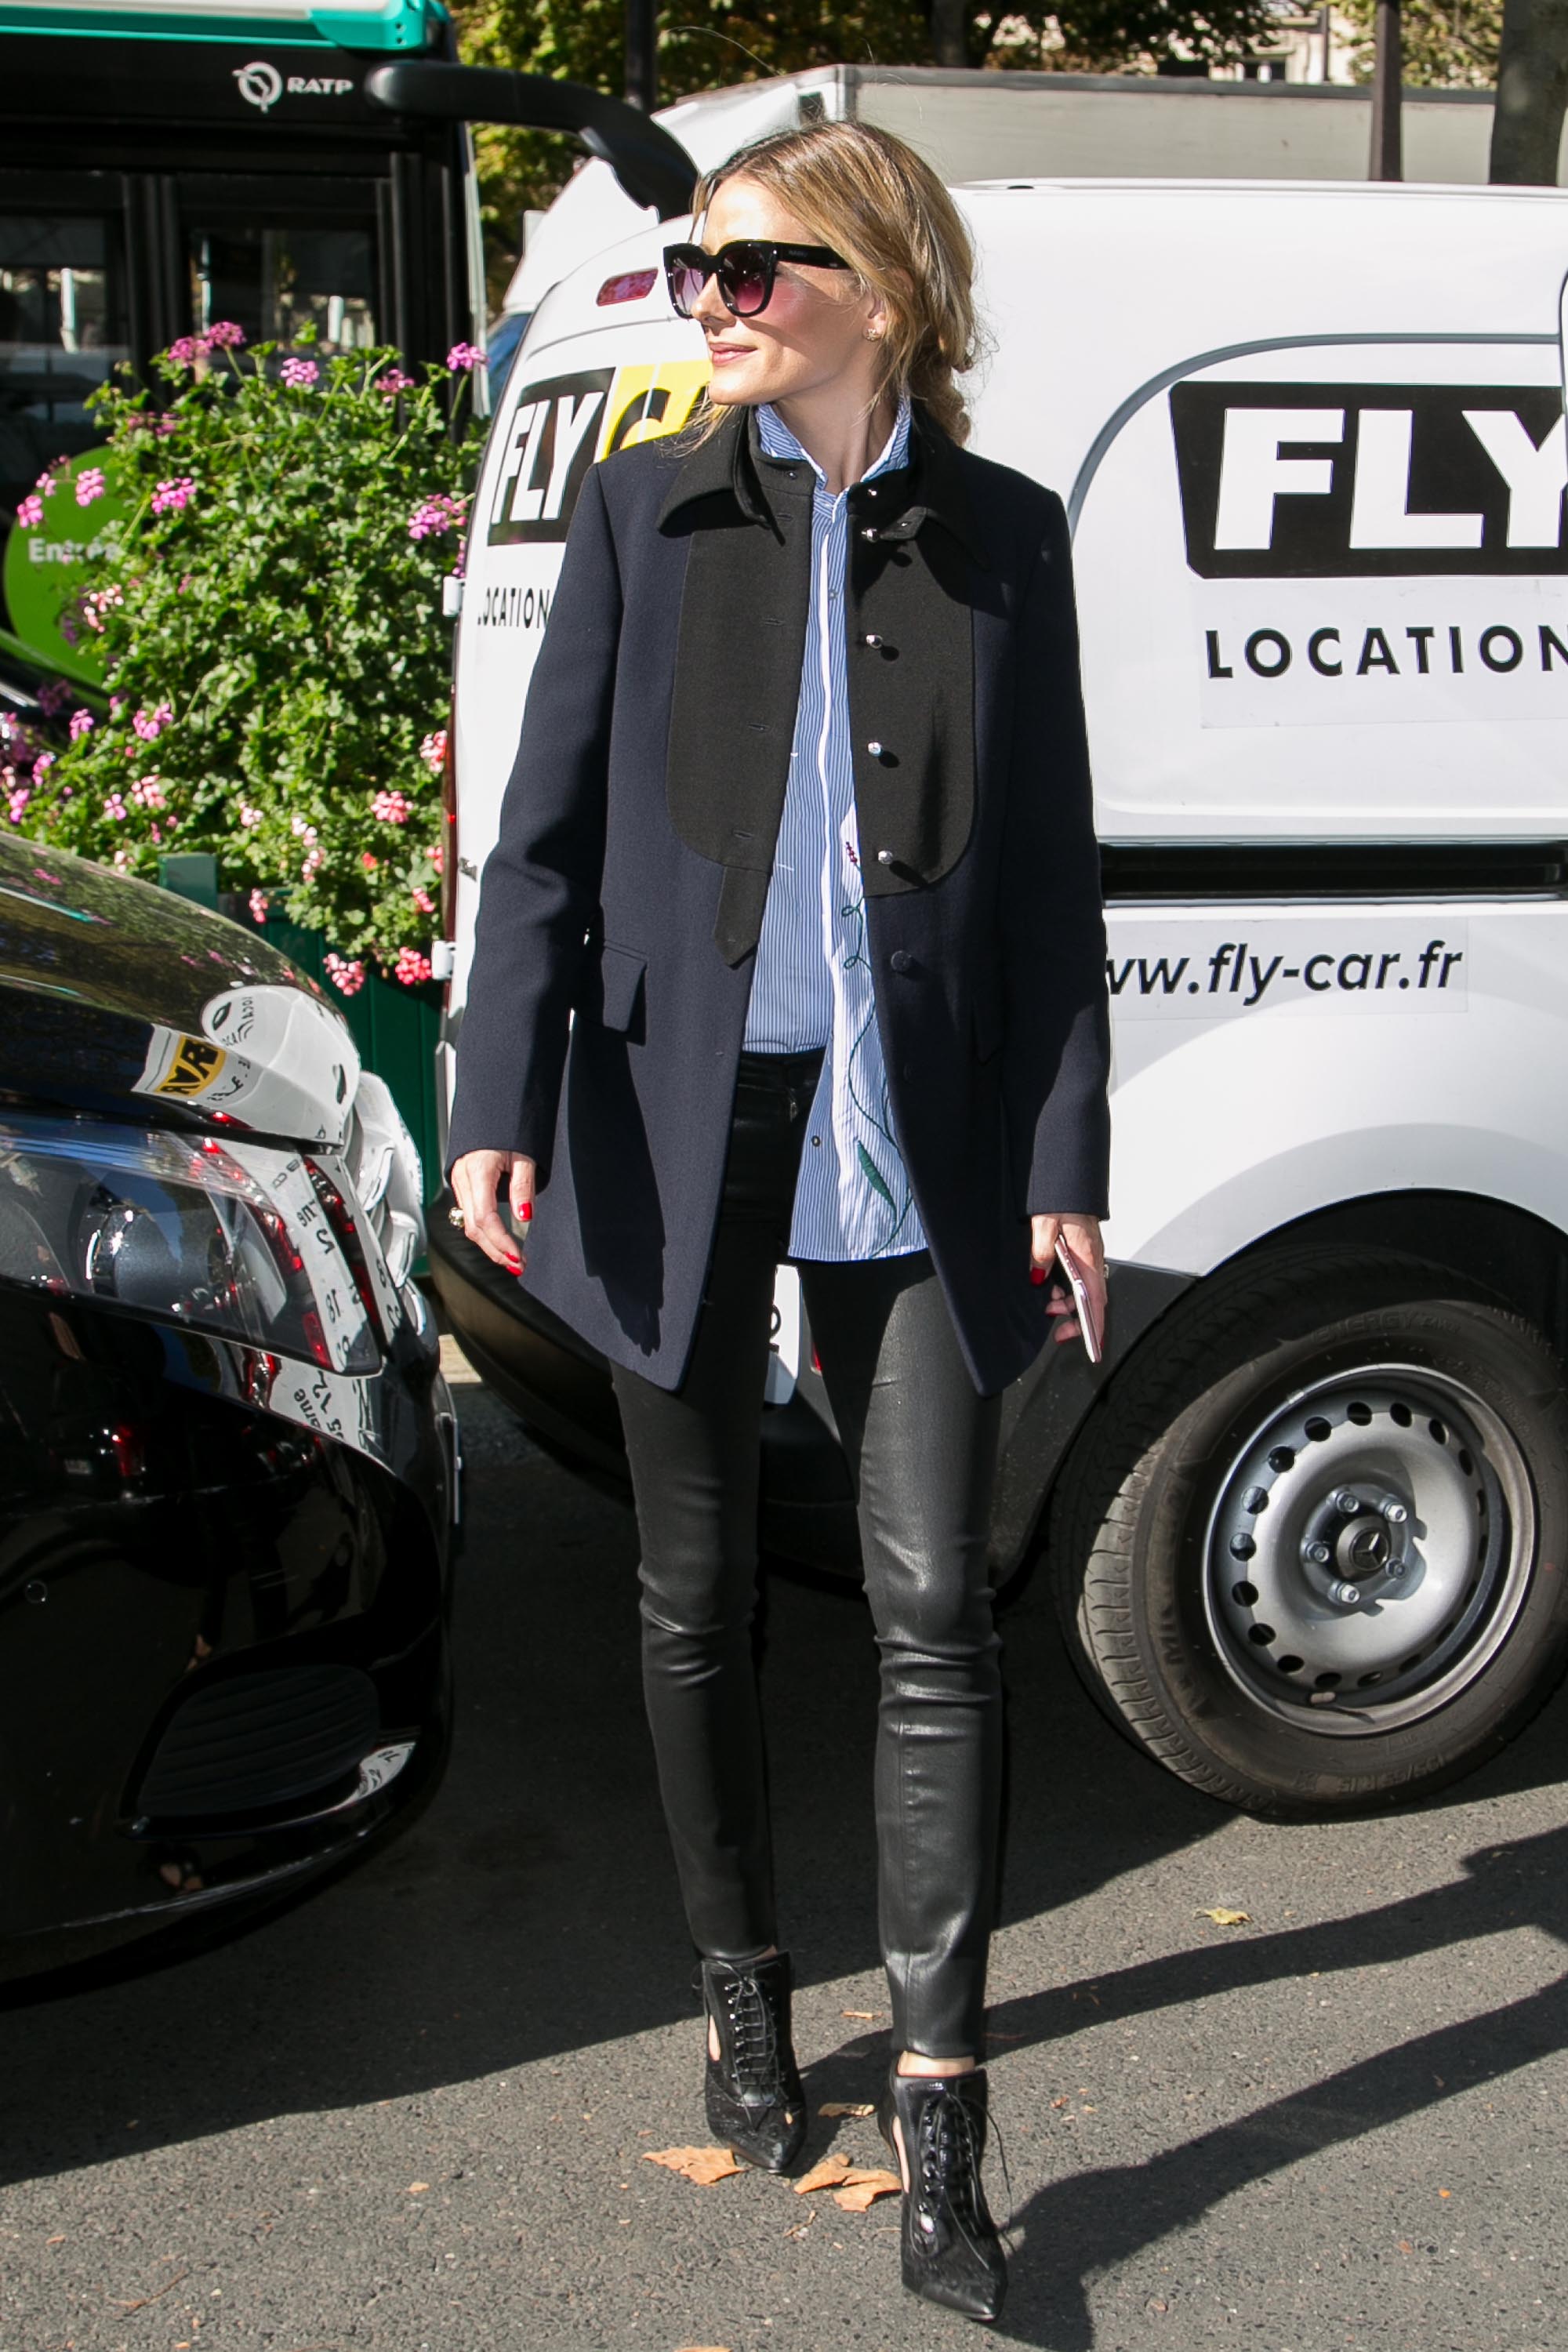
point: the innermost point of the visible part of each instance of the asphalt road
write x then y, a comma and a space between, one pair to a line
412, 2112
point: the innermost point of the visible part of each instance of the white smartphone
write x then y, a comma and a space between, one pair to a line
1088, 1321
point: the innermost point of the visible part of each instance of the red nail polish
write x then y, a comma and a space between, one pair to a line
1036, 1275
526, 1211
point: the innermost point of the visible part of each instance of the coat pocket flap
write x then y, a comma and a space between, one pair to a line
621, 977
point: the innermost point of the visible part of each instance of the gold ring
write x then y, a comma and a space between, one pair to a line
455, 1217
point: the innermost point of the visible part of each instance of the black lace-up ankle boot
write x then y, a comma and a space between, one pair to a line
755, 2103
950, 2251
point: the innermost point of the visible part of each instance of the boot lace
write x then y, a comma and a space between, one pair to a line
949, 2162
752, 2036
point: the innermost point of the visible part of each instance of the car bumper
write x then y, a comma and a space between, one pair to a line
223, 1617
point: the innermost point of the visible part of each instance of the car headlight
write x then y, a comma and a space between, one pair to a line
241, 1239
388, 1182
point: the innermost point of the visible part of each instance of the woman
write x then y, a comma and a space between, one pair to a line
800, 830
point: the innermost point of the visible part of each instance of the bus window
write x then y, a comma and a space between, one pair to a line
274, 281
62, 329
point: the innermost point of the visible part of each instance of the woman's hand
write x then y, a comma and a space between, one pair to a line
476, 1180
1081, 1235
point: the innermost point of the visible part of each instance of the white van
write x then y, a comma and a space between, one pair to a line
1308, 1519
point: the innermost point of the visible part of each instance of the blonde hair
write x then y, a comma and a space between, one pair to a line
880, 205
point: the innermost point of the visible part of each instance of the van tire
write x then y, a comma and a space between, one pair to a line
1464, 1416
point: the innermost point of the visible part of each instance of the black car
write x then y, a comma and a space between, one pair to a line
228, 1458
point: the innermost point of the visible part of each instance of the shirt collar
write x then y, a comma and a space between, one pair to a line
777, 440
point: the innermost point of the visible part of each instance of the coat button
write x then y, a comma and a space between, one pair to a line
871, 638
875, 749
884, 857
902, 960
871, 531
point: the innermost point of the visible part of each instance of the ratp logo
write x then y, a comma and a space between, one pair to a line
260, 85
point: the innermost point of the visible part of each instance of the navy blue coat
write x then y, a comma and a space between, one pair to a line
620, 909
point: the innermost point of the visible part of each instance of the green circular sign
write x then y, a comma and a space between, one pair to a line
46, 568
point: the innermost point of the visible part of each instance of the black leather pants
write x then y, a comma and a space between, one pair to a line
921, 1447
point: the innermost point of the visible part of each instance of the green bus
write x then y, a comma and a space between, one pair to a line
283, 165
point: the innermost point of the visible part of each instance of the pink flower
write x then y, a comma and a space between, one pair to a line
463, 358
16, 804
149, 724
259, 902
89, 485
391, 808
224, 336
438, 858
301, 830
115, 807
82, 723
148, 791
300, 374
249, 816
368, 862
173, 497
312, 862
123, 859
394, 382
435, 516
411, 967
344, 973
47, 482
42, 764
424, 901
186, 350
433, 750
30, 513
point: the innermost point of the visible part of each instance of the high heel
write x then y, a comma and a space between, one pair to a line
754, 2095
949, 2250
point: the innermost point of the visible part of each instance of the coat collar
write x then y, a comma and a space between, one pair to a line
930, 488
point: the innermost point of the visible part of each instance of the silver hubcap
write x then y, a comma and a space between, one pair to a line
1370, 1550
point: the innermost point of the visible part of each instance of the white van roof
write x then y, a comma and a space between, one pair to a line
990, 127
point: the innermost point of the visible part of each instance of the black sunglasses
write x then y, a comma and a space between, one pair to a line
745, 272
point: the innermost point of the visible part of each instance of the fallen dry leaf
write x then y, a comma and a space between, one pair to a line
1224, 1919
827, 2173
704, 2165
862, 2189
866, 2016
847, 2107
1445, 2192
416, 2188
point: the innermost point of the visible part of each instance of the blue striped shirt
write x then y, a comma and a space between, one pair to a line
811, 983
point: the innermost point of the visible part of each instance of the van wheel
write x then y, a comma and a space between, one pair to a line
1310, 1548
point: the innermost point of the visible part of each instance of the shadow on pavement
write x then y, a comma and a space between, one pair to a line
533, 1912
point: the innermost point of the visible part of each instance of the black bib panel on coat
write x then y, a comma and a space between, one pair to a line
743, 616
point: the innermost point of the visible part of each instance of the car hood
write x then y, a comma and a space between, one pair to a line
117, 998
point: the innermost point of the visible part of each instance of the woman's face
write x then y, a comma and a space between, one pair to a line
818, 329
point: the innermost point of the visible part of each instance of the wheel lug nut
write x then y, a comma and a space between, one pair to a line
1395, 1514
1346, 1502
1394, 1568
1346, 1596
1317, 1553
